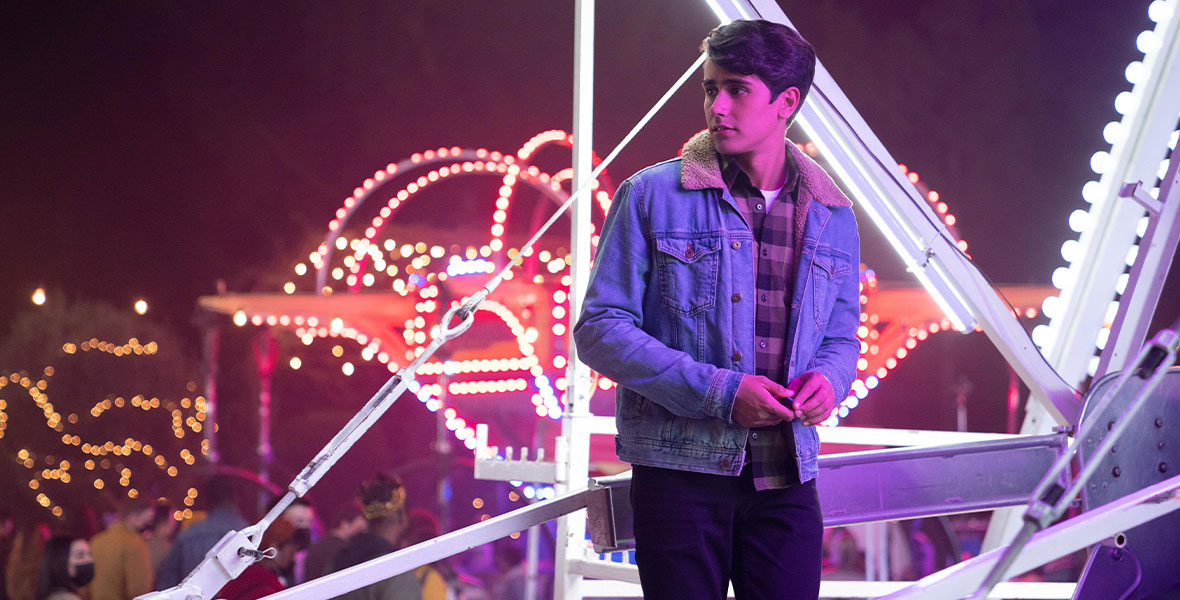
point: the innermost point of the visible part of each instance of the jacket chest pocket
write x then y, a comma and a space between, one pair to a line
687, 269
827, 273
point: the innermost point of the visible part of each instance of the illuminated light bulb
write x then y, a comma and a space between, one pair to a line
1134, 73
1147, 42
1125, 103
1042, 335
141, 306
1159, 11
347, 368
1071, 250
1062, 278
1079, 220
38, 296
1100, 162
1051, 306
296, 362
1103, 337
1092, 191
1114, 132
1132, 254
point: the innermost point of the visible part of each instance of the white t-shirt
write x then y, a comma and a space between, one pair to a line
770, 196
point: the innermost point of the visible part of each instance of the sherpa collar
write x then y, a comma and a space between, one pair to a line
700, 169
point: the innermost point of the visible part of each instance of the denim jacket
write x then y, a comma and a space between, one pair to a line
669, 311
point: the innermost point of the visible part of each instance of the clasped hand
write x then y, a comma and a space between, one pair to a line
760, 402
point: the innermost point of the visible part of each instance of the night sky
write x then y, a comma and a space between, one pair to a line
150, 149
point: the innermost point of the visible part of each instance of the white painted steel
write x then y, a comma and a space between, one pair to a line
1146, 282
1068, 536
1113, 221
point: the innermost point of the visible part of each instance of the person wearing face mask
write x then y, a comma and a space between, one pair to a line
123, 566
65, 567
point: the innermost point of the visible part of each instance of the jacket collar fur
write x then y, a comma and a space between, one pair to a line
700, 169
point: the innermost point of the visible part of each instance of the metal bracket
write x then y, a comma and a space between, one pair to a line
1138, 193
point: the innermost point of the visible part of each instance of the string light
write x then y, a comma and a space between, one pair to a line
93, 457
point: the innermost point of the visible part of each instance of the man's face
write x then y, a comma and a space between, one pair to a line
742, 118
300, 515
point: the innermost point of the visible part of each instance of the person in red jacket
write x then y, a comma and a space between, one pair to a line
261, 578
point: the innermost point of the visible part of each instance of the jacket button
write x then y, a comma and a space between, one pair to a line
737, 356
737, 297
736, 244
725, 463
689, 253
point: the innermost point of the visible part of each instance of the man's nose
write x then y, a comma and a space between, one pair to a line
720, 105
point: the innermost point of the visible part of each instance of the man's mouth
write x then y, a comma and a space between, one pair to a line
720, 128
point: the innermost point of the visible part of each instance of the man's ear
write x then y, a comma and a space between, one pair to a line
788, 102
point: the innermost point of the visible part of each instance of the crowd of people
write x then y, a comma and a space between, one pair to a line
144, 548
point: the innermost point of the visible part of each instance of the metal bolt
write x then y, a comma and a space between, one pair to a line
1159, 423
1160, 445
1110, 426
1116, 472
1114, 448
1163, 467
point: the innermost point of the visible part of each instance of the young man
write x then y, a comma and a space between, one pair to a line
724, 301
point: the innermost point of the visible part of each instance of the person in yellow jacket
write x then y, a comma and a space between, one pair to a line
122, 564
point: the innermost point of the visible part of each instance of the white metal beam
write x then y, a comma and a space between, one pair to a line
574, 444
1146, 282
1063, 538
1113, 221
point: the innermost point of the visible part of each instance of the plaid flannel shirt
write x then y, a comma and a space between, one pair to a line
771, 450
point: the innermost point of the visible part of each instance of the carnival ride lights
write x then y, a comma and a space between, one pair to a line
370, 262
1099, 193
418, 270
100, 458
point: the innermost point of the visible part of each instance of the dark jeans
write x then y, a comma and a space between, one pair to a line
694, 533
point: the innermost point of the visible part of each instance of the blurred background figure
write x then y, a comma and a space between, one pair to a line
301, 514
190, 545
65, 567
262, 578
347, 521
510, 585
24, 562
383, 501
159, 536
7, 532
422, 525
122, 565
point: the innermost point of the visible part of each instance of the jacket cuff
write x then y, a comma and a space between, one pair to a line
839, 387
723, 387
